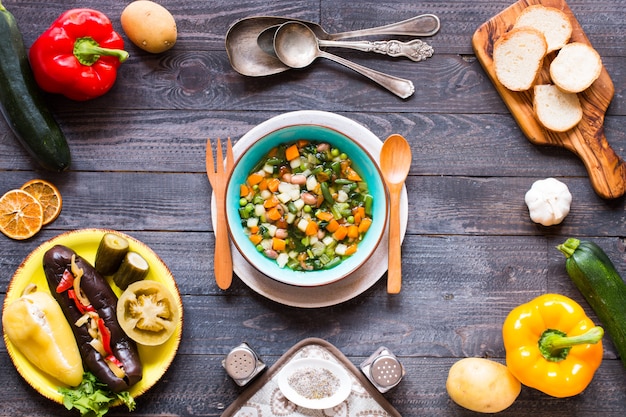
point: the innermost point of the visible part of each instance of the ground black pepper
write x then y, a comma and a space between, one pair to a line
314, 383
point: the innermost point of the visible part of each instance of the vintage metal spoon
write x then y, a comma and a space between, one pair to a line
296, 46
395, 162
422, 26
247, 58
416, 50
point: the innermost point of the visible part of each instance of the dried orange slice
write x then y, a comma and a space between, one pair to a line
48, 196
21, 215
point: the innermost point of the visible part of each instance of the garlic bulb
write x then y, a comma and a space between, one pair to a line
548, 201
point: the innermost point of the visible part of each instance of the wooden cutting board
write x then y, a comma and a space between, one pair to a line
607, 171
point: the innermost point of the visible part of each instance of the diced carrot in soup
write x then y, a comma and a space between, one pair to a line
292, 153
278, 244
324, 215
256, 239
351, 250
273, 184
273, 214
271, 202
352, 175
340, 233
332, 226
254, 179
311, 228
365, 225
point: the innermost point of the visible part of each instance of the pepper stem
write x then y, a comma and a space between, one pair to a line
555, 345
88, 51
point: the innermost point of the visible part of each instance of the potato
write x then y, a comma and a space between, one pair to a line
482, 385
149, 25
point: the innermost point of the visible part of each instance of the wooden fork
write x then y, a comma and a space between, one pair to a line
218, 177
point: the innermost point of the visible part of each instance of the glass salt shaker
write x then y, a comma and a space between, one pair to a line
383, 369
242, 364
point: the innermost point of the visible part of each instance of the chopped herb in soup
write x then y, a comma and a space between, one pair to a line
305, 206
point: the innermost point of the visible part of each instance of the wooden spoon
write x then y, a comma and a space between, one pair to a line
395, 162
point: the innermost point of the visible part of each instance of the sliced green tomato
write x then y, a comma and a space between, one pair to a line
148, 313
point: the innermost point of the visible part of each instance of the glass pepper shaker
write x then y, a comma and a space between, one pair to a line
242, 364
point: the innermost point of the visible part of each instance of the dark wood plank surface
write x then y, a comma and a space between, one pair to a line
471, 253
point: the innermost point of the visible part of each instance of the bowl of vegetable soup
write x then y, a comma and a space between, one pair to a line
306, 203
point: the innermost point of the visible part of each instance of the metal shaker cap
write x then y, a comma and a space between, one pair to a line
386, 371
240, 363
383, 369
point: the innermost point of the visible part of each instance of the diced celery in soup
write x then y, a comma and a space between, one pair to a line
305, 206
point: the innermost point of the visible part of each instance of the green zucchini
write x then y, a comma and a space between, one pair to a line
596, 278
22, 104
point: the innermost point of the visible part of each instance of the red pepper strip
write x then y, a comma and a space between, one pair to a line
81, 307
67, 282
78, 55
106, 337
115, 361
105, 333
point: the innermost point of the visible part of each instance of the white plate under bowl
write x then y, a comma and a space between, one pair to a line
342, 392
342, 290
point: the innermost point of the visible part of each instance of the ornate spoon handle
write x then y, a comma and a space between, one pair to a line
415, 50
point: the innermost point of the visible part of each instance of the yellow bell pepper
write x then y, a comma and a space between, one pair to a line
551, 345
36, 325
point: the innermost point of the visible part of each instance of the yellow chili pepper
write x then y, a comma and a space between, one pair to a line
37, 327
551, 345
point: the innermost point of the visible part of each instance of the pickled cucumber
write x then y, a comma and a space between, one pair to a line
110, 254
133, 268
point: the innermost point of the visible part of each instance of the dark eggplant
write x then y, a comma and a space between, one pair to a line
56, 261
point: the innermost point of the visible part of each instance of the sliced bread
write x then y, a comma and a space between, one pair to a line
552, 22
555, 109
518, 56
576, 67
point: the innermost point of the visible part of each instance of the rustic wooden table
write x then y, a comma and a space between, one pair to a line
470, 255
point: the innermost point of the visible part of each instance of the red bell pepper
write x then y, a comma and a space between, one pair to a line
78, 56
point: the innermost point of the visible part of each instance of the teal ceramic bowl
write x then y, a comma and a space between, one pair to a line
362, 162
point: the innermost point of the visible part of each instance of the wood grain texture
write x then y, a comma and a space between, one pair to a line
470, 255
607, 171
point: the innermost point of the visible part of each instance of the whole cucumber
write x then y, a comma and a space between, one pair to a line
596, 278
22, 104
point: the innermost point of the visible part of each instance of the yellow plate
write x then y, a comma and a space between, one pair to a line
155, 359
